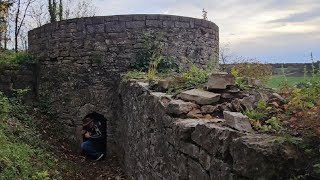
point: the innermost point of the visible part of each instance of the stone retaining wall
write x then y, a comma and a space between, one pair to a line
153, 145
81, 59
19, 77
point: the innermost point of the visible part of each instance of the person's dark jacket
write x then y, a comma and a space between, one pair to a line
97, 132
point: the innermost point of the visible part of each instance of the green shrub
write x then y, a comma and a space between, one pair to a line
253, 69
262, 106
134, 75
151, 59
317, 169
195, 76
274, 123
168, 65
253, 114
4, 106
11, 57
19, 109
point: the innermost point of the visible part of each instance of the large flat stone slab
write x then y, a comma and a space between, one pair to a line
178, 107
219, 81
237, 121
200, 96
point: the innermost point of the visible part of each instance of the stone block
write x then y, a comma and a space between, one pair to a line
214, 139
196, 172
111, 18
164, 84
219, 170
195, 113
182, 163
182, 24
179, 107
256, 157
237, 121
190, 149
184, 127
154, 23
168, 24
219, 81
248, 102
139, 17
135, 24
200, 96
208, 109
153, 16
115, 26
25, 78
236, 106
5, 79
204, 159
226, 96
125, 17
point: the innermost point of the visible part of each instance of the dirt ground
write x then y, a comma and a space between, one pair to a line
72, 165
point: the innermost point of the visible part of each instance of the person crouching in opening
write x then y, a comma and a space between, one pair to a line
93, 136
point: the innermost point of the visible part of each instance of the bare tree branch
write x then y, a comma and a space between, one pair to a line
19, 22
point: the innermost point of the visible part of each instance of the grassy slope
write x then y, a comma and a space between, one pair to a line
275, 81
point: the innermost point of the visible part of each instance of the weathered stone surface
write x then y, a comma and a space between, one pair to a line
277, 96
195, 113
208, 109
184, 127
237, 121
178, 107
248, 102
204, 159
256, 157
164, 84
219, 81
182, 166
225, 107
200, 96
159, 94
232, 89
190, 149
213, 138
196, 172
143, 84
19, 77
236, 105
219, 170
226, 96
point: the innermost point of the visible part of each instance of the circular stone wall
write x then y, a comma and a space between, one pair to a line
81, 59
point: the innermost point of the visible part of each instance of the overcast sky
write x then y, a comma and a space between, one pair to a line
270, 30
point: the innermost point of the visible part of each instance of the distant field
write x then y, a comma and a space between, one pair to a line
275, 81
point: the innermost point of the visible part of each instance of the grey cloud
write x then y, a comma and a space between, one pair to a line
299, 17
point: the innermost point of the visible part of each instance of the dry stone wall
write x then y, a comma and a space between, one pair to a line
155, 145
81, 59
14, 76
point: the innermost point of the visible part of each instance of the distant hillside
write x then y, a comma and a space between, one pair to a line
294, 69
290, 69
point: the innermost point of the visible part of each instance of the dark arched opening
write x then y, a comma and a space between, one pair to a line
102, 144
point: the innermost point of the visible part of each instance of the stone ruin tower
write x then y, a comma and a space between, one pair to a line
80, 60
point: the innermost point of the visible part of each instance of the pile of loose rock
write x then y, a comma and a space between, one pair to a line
219, 101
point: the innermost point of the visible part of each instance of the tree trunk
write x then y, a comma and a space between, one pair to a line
16, 29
